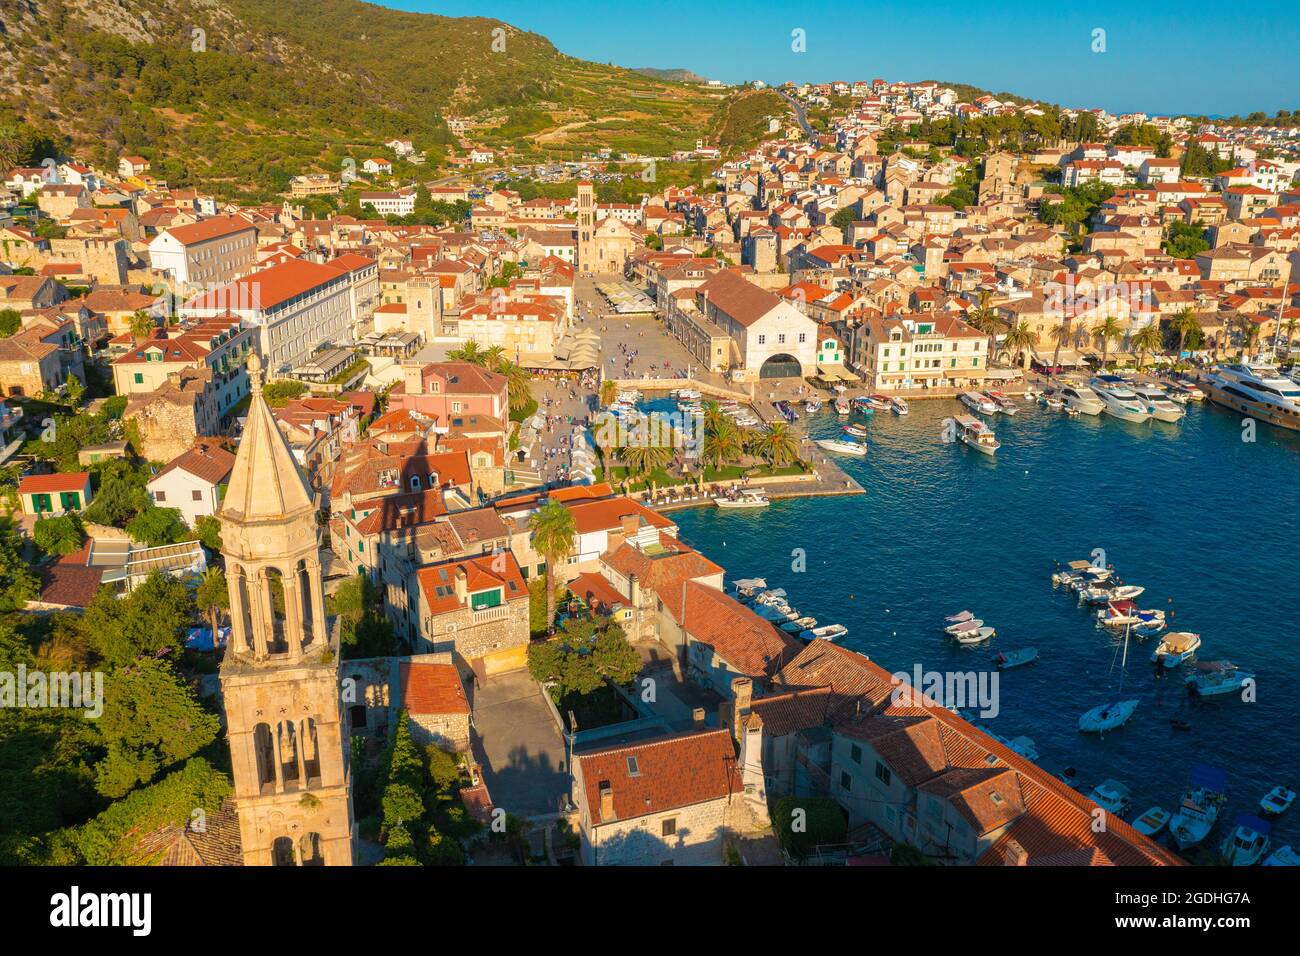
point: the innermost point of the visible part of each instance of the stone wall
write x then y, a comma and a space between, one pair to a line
698, 840
448, 731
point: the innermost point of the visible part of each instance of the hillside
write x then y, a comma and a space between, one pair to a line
239, 95
741, 122
674, 75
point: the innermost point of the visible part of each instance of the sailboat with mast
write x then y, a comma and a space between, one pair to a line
1116, 713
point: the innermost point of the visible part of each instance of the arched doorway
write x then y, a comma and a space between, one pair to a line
781, 366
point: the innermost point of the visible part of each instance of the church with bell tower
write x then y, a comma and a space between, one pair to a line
280, 676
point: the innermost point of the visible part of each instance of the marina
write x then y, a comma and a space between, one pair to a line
1159, 500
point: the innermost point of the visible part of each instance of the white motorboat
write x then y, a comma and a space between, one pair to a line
1213, 678
959, 617
1119, 399
748, 588
1160, 406
970, 624
978, 403
1175, 647
1002, 402
831, 632
1248, 842
973, 433
1283, 856
855, 431
744, 498
1109, 595
1178, 388
1112, 796
812, 405
1107, 716
1200, 805
1018, 658
855, 448
799, 625
976, 636
1277, 801
1126, 613
899, 405
1152, 821
1081, 398
1258, 391
1078, 574
841, 405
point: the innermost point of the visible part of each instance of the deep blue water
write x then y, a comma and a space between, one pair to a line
1207, 522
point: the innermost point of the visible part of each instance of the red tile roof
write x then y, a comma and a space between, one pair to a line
670, 772
429, 688
47, 484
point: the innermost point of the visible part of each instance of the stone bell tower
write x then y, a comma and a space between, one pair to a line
586, 227
280, 675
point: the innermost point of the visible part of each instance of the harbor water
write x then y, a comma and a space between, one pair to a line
1205, 520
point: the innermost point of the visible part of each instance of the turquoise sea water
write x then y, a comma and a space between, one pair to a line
1208, 523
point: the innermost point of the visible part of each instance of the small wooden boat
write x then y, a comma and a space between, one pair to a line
960, 617
1017, 658
857, 431
841, 406
976, 636
744, 498
879, 403
1283, 856
799, 625
899, 405
831, 632
970, 624
1277, 801
1152, 821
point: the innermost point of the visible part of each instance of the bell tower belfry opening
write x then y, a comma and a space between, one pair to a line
279, 678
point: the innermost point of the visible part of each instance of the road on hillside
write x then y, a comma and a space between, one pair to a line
799, 113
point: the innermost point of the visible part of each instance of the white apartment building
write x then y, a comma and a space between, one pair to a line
919, 351
207, 252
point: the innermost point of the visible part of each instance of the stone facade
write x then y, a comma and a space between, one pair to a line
698, 838
448, 731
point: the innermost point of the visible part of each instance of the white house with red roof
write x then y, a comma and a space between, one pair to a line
208, 252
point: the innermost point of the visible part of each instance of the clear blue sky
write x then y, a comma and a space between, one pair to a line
1161, 56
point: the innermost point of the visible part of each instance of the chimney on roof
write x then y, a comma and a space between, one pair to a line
742, 696
461, 584
606, 802
697, 718
630, 524
634, 590
1014, 854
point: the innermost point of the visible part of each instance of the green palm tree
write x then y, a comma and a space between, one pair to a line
643, 459
984, 319
778, 445
469, 352
714, 419
1184, 324
1021, 338
213, 597
1106, 331
1060, 335
1288, 330
493, 357
1149, 339
1248, 332
723, 445
518, 383
554, 532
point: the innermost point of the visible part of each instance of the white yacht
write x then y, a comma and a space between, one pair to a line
1081, 398
1119, 399
1161, 406
1259, 391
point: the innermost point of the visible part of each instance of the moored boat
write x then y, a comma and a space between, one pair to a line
1152, 821
1106, 717
1017, 658
1248, 841
831, 632
1118, 399
841, 405
978, 403
1200, 805
1214, 678
743, 498
976, 635
898, 405
1003, 403
799, 625
842, 447
857, 431
973, 433
1160, 406
1175, 647
1277, 801
1112, 796
1282, 856
970, 624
